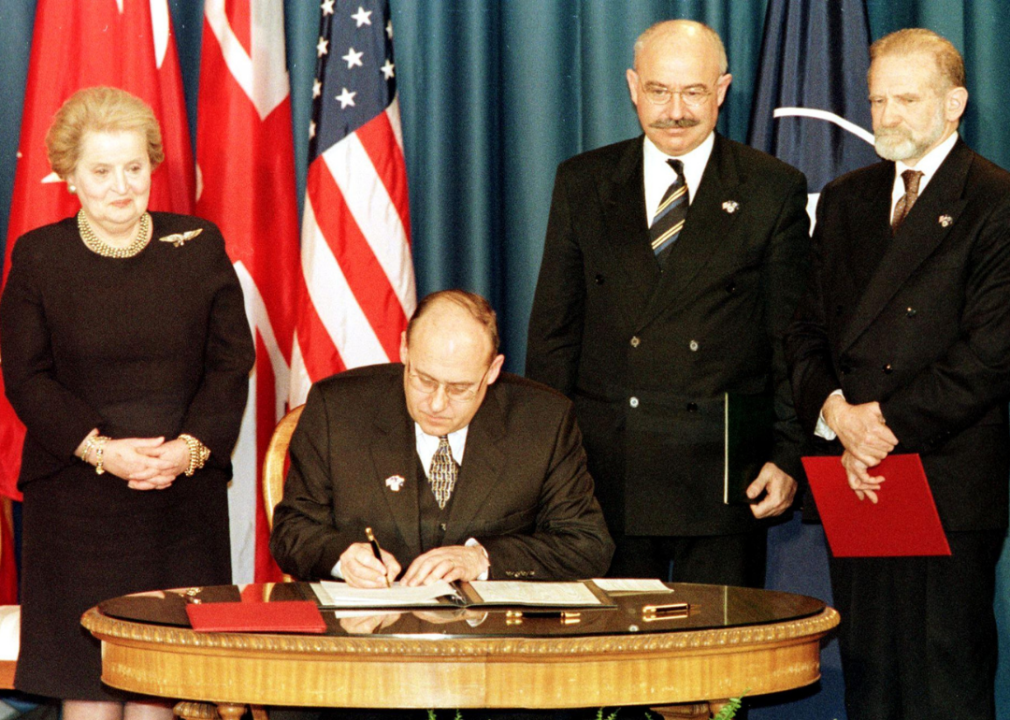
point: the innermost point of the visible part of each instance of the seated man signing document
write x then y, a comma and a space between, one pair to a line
462, 471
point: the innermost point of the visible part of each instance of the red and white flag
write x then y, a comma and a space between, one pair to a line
122, 43
359, 277
245, 159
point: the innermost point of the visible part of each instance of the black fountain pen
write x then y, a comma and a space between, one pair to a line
376, 551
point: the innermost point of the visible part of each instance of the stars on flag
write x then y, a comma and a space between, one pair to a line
312, 129
346, 98
353, 58
362, 17
389, 29
355, 75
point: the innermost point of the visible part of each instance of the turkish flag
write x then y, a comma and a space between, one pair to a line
245, 155
122, 43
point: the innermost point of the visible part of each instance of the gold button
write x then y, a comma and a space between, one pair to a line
633, 402
635, 342
693, 345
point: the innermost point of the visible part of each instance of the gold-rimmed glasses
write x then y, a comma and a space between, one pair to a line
693, 96
456, 392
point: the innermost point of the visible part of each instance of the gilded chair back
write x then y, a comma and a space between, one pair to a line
275, 462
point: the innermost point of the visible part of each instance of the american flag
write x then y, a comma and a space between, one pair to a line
359, 277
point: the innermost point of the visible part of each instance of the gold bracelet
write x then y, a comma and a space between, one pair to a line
198, 453
89, 444
100, 442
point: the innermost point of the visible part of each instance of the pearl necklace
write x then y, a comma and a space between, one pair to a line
96, 245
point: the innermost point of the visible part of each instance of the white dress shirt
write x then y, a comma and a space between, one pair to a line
659, 175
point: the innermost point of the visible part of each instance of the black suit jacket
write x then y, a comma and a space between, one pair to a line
920, 323
647, 355
523, 490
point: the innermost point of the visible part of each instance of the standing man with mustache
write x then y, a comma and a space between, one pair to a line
902, 345
672, 264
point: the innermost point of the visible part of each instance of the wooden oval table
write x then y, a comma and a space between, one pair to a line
732, 641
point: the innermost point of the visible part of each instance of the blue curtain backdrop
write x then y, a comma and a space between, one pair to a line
495, 94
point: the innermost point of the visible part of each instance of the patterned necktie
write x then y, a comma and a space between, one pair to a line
904, 205
669, 218
444, 472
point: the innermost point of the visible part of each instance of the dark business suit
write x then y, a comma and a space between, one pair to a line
646, 354
921, 323
523, 489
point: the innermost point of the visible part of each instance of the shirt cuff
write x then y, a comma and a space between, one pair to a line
822, 430
472, 542
336, 572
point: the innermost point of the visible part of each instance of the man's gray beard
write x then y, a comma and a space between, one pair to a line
898, 145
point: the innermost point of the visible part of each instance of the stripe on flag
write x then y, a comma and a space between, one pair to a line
246, 156
359, 277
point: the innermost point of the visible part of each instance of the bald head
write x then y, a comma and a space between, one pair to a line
450, 356
688, 35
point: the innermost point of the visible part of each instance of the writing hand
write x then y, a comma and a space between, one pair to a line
361, 569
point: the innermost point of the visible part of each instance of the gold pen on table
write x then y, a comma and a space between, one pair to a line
376, 551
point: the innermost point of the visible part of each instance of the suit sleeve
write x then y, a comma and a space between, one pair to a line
215, 413
785, 268
305, 540
953, 391
554, 341
570, 539
807, 348
56, 417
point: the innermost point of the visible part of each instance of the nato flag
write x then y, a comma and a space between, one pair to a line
810, 107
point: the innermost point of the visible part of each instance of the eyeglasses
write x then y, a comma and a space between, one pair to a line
661, 95
456, 392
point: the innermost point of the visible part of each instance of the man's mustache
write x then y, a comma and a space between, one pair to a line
672, 123
897, 132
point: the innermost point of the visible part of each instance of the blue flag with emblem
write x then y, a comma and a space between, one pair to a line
811, 110
810, 107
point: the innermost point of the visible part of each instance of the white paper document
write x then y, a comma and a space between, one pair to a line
550, 594
338, 594
630, 585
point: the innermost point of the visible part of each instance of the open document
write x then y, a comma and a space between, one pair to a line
475, 594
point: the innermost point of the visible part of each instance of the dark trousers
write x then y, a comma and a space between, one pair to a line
918, 635
716, 560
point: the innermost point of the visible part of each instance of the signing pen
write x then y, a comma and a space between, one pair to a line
376, 551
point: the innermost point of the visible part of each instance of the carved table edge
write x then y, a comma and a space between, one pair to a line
803, 629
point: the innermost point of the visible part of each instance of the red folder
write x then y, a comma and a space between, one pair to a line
299, 616
904, 522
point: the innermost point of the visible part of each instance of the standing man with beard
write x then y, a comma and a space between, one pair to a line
672, 264
902, 344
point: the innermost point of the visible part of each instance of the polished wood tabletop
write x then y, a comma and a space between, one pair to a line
730, 641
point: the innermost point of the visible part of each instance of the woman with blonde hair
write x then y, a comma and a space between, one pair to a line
126, 353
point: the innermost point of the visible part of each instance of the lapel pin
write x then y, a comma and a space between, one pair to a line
180, 239
395, 482
731, 206
946, 220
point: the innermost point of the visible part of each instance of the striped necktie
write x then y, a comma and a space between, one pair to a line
443, 473
669, 218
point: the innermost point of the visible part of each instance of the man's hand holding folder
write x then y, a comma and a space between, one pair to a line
867, 440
